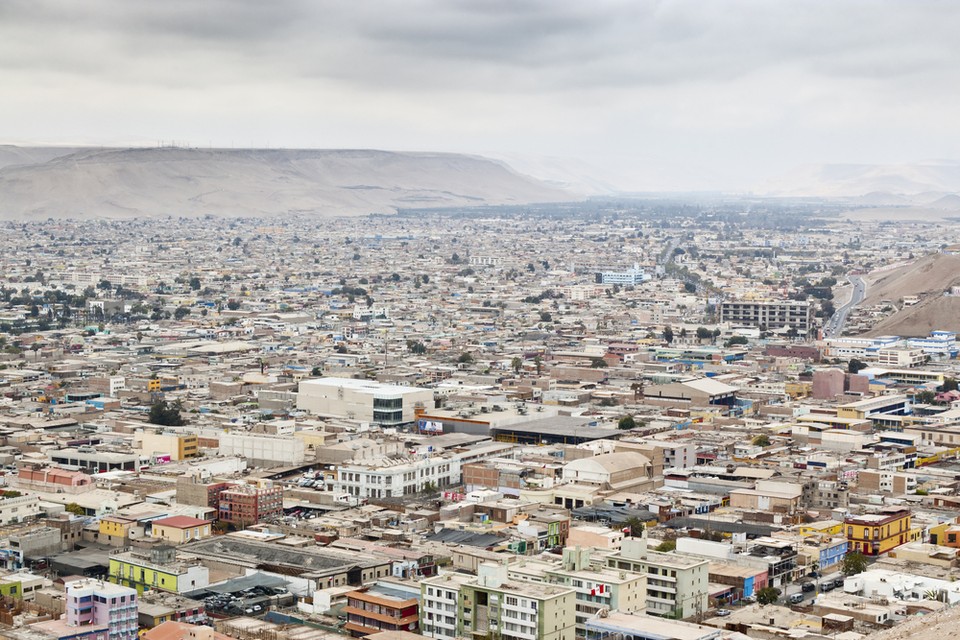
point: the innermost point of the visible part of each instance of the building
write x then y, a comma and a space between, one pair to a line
263, 450
17, 507
245, 504
181, 529
362, 400
632, 626
491, 605
611, 470
157, 568
770, 315
381, 608
95, 603
178, 446
633, 276
876, 533
53, 479
677, 585
96, 459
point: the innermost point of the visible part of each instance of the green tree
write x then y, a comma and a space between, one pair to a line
925, 397
516, 364
668, 334
316, 372
949, 384
854, 563
233, 305
181, 313
626, 422
166, 413
762, 440
465, 358
735, 340
666, 546
195, 283
598, 363
768, 595
633, 525
704, 334
75, 509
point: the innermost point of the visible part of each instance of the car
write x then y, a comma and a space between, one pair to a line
723, 612
748, 600
796, 598
827, 586
807, 587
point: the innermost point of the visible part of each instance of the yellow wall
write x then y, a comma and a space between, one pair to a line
813, 528
143, 577
177, 535
114, 528
886, 536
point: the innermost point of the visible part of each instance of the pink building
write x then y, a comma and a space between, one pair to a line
93, 603
53, 480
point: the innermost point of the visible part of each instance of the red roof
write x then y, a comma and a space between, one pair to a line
180, 522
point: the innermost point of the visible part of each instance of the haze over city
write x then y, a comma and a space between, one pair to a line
638, 95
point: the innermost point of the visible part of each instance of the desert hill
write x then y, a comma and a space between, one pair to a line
886, 183
928, 277
49, 182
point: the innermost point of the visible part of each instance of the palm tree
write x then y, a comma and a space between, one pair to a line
516, 364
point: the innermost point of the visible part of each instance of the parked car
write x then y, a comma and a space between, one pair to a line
807, 587
723, 612
796, 598
827, 585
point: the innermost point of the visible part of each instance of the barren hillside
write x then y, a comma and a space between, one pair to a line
929, 278
188, 182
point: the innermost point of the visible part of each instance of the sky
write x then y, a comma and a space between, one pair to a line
644, 95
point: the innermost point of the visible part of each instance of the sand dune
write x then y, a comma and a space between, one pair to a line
46, 182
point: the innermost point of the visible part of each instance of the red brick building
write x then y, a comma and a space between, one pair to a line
372, 610
245, 504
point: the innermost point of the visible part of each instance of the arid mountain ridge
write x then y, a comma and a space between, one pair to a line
70, 182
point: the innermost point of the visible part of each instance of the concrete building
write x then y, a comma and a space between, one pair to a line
245, 504
18, 508
770, 314
491, 605
381, 608
157, 568
180, 529
263, 450
610, 470
874, 534
101, 604
362, 400
677, 585
178, 446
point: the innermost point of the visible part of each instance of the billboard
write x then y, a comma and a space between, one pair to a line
430, 426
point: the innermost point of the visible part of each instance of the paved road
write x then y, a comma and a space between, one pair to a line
834, 326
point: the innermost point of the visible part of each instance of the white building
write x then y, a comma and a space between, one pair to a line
362, 400
263, 449
19, 508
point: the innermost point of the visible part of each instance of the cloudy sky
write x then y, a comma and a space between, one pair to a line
702, 94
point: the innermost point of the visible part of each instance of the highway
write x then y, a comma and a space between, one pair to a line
834, 326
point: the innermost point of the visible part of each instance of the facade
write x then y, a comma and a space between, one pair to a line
376, 609
245, 504
181, 529
633, 276
101, 604
878, 533
491, 606
677, 585
769, 314
363, 400
179, 446
157, 568
16, 507
262, 449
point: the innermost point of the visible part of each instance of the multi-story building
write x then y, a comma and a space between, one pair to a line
91, 602
876, 533
769, 314
157, 568
597, 588
179, 446
362, 400
677, 585
379, 608
491, 605
17, 507
633, 276
242, 505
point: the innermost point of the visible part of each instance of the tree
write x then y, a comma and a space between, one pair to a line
854, 563
195, 283
854, 366
75, 509
949, 384
316, 372
735, 340
768, 595
924, 397
465, 358
181, 313
633, 526
598, 363
516, 364
762, 440
689, 287
626, 422
704, 334
666, 546
668, 334
233, 305
166, 414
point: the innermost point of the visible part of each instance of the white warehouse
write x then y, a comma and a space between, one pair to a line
363, 400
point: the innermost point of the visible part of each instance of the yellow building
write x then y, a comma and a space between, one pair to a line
159, 569
822, 527
115, 530
181, 529
179, 446
876, 533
